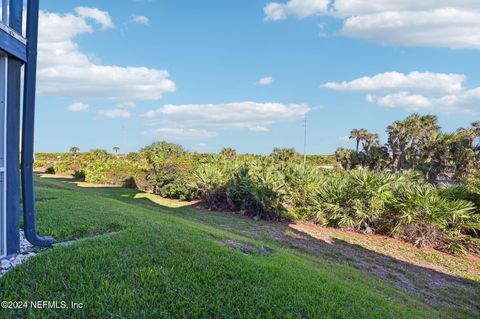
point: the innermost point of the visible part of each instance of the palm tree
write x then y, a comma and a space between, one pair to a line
116, 149
74, 150
370, 140
358, 135
409, 139
354, 135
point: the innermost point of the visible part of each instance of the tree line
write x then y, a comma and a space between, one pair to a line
416, 143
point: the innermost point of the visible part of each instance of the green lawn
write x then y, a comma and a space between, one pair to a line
139, 258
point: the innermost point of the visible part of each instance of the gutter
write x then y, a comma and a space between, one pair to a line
28, 190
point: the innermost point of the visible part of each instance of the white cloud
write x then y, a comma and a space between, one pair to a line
361, 7
127, 105
467, 101
432, 23
114, 113
139, 19
180, 133
63, 70
239, 115
297, 8
418, 81
404, 100
446, 27
258, 129
78, 107
265, 81
99, 16
256, 117
416, 91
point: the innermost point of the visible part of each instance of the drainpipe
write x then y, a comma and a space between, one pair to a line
28, 128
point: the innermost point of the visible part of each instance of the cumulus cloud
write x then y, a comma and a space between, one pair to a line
78, 107
416, 91
63, 70
256, 117
418, 81
432, 23
446, 27
99, 16
180, 133
360, 7
297, 8
265, 81
404, 100
127, 105
258, 129
467, 101
239, 115
116, 113
139, 19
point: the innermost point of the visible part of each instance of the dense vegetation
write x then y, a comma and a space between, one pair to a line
387, 189
146, 260
416, 143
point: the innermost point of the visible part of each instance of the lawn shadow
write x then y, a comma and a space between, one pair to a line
436, 288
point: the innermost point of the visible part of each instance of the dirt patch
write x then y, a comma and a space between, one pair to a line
247, 249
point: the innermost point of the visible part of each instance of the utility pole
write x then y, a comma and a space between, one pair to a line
305, 140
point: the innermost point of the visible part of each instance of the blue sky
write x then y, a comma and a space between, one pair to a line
130, 72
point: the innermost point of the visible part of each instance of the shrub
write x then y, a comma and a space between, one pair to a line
115, 172
68, 165
208, 183
354, 200
172, 178
280, 187
258, 193
40, 165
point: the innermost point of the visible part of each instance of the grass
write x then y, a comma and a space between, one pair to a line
142, 256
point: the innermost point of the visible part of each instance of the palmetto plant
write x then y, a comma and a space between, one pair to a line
228, 153
354, 200
385, 189
283, 154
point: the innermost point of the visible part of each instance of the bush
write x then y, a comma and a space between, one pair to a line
40, 165
67, 166
115, 172
172, 177
280, 187
258, 193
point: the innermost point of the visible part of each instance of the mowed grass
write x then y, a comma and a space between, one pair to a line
134, 261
